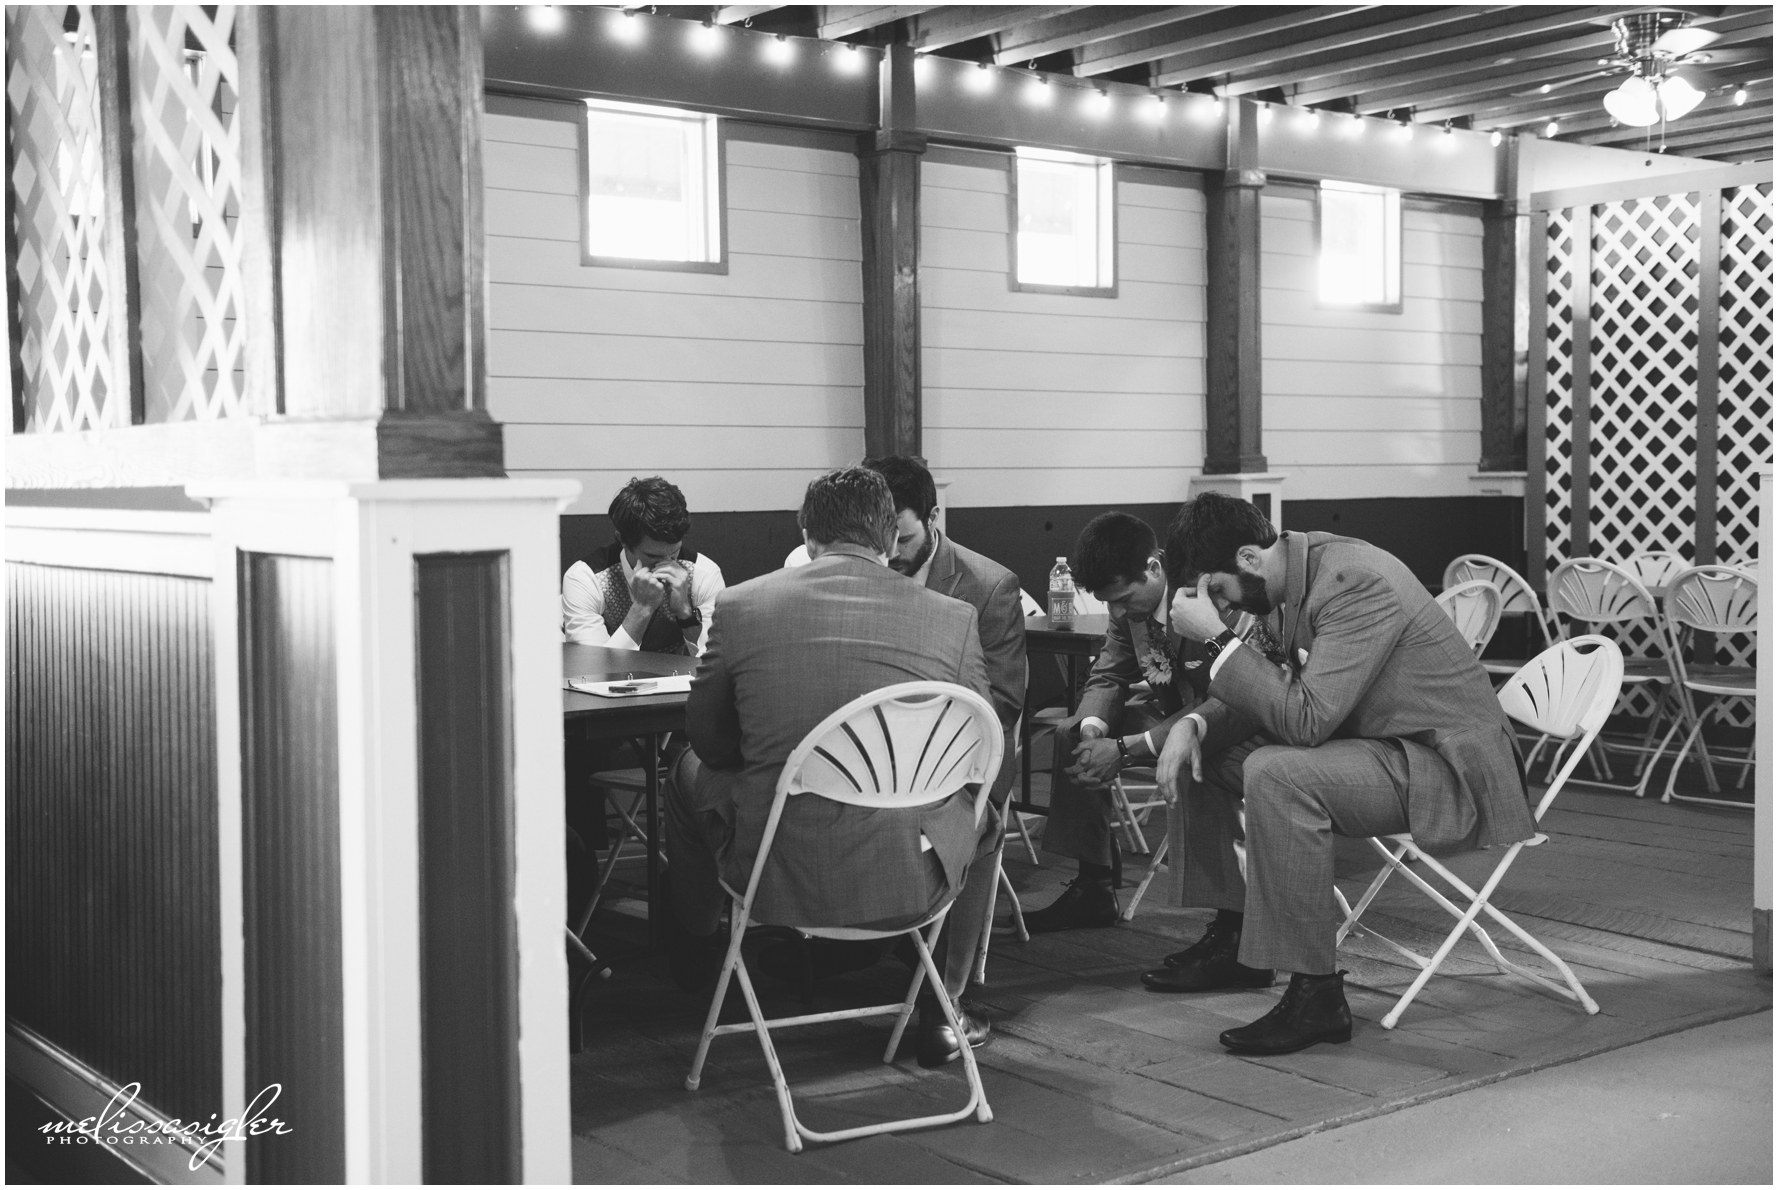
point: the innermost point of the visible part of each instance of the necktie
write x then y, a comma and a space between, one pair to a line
1260, 636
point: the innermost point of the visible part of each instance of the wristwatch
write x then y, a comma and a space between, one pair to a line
1123, 751
692, 620
1219, 642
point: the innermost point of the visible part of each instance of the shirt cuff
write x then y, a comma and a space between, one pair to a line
1103, 726
1227, 651
1203, 727
621, 640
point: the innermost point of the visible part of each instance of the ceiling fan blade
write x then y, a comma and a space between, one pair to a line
1723, 57
1546, 88
1683, 41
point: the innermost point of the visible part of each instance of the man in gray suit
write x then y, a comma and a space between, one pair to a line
1380, 720
785, 651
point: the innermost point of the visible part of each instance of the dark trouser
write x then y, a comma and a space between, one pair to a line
1259, 836
1080, 820
695, 836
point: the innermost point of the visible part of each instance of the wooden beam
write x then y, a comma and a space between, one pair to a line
1584, 99
1720, 108
1232, 399
956, 23
834, 21
734, 14
111, 47
1205, 64
1502, 448
1468, 43
1704, 140
1758, 148
1454, 88
1225, 27
889, 234
1724, 121
1087, 26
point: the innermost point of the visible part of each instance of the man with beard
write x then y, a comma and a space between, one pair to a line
1379, 720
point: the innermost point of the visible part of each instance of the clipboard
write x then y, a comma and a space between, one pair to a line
636, 687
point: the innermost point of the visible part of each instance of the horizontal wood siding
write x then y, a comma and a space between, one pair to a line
113, 934
738, 387
1043, 399
1361, 405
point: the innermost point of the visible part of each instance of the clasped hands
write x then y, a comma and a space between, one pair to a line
669, 583
1096, 759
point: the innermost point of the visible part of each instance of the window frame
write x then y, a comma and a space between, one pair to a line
1114, 171
1322, 303
588, 259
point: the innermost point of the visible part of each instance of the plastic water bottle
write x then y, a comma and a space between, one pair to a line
1061, 595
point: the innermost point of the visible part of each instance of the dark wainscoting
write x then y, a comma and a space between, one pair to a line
469, 964
113, 935
290, 795
745, 544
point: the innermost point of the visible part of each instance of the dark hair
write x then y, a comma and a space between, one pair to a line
850, 505
1208, 532
909, 483
649, 507
1114, 547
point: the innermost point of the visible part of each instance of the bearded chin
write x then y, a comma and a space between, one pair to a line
1253, 595
912, 568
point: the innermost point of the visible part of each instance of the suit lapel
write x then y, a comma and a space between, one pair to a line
1296, 586
944, 573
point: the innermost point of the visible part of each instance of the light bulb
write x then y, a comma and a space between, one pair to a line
1308, 120
1407, 130
626, 28
545, 18
1210, 111
1634, 102
1678, 97
1494, 138
1740, 96
1156, 111
780, 51
1038, 93
848, 60
706, 39
1355, 127
982, 81
1265, 114
1544, 90
1550, 128
1097, 103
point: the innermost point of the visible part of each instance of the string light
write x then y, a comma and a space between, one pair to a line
545, 18
1308, 119
1355, 126
1407, 130
1265, 113
1098, 103
982, 81
780, 50
1038, 93
706, 38
1550, 129
1211, 111
848, 60
626, 28
1740, 96
1494, 138
1157, 111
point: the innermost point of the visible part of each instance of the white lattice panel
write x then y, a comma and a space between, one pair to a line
1744, 396
187, 156
1558, 461
65, 304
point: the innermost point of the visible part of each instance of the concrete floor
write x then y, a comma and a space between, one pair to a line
1689, 1108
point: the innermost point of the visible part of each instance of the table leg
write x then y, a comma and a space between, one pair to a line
651, 778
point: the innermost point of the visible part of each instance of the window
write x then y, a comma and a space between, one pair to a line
653, 188
1360, 244
1065, 213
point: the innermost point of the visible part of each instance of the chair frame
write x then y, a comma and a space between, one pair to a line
1572, 594
1517, 598
1655, 568
1734, 608
903, 702
1455, 600
1571, 704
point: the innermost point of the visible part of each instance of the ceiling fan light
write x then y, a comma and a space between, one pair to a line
1679, 97
1634, 103
1740, 96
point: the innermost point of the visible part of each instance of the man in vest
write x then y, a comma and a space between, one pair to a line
645, 591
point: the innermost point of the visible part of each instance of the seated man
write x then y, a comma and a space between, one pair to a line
645, 591
1381, 720
1115, 558
788, 649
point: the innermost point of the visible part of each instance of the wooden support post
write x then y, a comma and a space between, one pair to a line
1503, 447
111, 46
1709, 369
889, 210
1232, 442
378, 194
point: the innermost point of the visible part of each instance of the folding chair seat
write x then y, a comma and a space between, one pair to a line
927, 740
1566, 692
1709, 599
1474, 607
1604, 595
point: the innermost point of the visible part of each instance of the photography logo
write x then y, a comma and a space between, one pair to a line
118, 1125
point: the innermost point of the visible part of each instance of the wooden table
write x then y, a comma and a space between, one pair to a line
644, 718
1083, 641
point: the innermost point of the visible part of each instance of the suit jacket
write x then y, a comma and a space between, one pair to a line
786, 650
1143, 651
993, 591
1384, 661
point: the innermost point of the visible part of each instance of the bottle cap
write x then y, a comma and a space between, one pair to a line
1063, 558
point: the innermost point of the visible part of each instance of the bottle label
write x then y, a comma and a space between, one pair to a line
1061, 609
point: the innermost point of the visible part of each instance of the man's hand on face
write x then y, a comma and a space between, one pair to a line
647, 589
1182, 751
1095, 762
1194, 613
676, 580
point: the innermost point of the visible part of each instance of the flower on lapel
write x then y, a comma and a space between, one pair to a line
1157, 666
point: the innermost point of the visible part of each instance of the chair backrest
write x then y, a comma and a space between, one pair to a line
1565, 691
1516, 596
1709, 599
1655, 568
1029, 605
1594, 591
1475, 608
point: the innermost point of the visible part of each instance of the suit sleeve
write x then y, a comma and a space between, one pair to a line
1113, 674
1001, 625
1355, 631
712, 723
972, 665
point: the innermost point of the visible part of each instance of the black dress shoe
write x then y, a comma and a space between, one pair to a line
1208, 964
937, 1043
1313, 1008
1080, 906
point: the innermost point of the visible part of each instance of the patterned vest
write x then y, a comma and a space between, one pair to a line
661, 635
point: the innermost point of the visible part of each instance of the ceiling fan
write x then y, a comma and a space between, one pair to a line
1652, 48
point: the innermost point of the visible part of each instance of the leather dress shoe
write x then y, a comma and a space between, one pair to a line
937, 1042
1081, 906
1208, 964
1313, 1008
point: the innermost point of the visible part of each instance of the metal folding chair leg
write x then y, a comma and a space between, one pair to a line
1018, 916
1156, 862
1697, 737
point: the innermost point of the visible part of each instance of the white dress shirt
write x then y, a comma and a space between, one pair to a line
583, 602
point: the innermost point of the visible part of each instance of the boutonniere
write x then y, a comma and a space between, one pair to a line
1157, 666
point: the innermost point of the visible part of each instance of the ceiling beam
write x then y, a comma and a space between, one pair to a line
834, 21
1586, 101
1735, 117
1088, 25
1717, 136
954, 23
1226, 27
734, 14
1331, 45
1719, 99
1455, 88
1468, 44
1758, 148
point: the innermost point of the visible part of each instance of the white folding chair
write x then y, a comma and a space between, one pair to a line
1516, 599
904, 746
1566, 692
1710, 599
1654, 569
1474, 607
1598, 594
